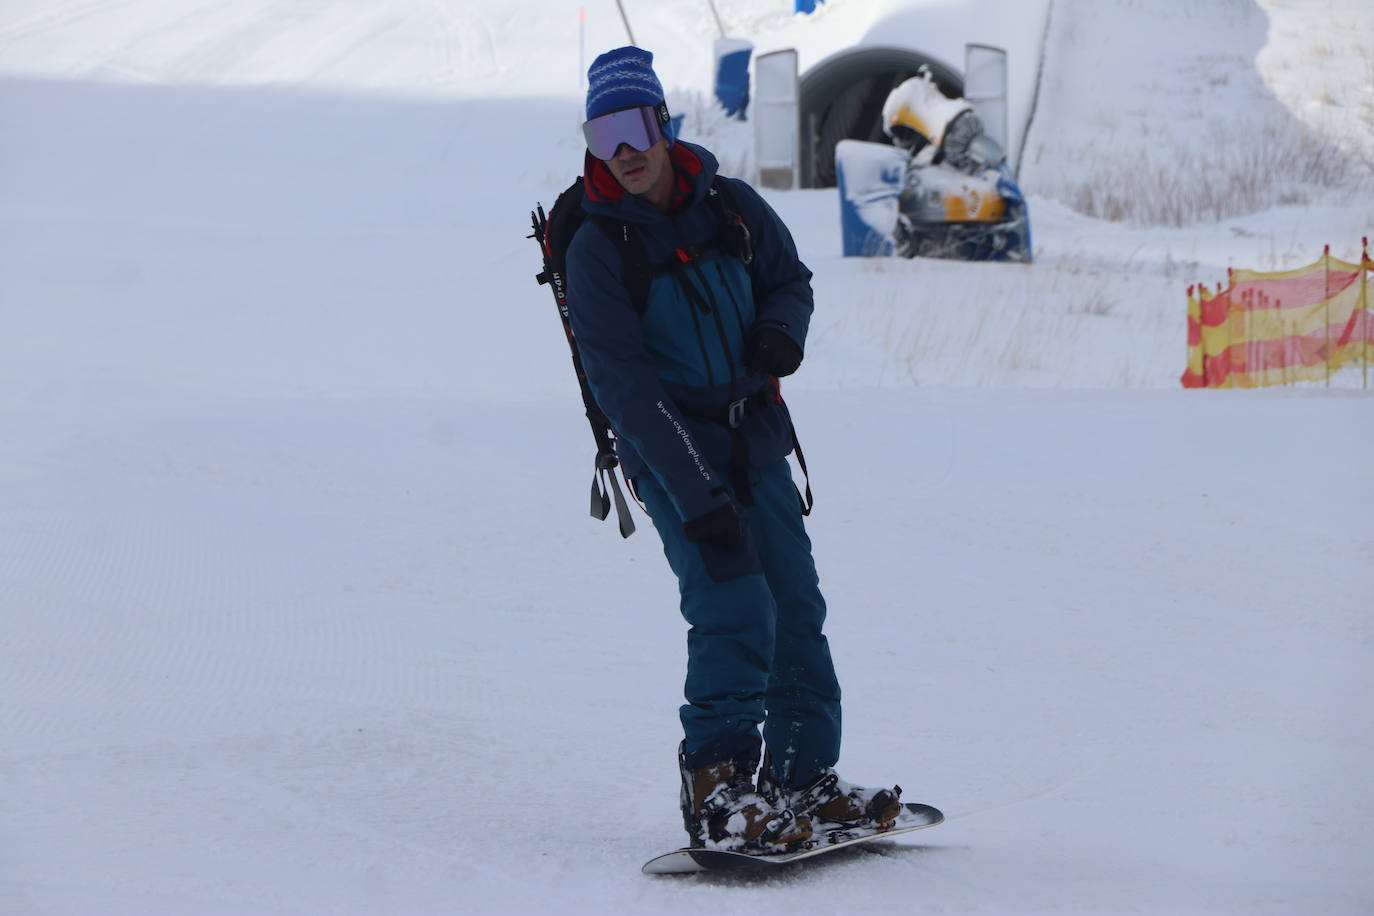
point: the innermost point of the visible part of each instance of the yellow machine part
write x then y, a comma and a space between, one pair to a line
907, 117
975, 205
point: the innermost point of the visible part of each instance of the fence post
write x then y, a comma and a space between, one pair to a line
1188, 337
1364, 300
1206, 376
1326, 307
1230, 339
1245, 330
1289, 343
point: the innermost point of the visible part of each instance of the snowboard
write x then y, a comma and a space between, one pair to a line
691, 861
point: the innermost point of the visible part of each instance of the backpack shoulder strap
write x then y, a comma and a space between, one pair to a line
723, 194
564, 219
735, 237
637, 271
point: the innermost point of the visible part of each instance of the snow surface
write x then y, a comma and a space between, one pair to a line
301, 612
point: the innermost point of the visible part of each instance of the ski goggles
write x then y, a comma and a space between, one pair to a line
640, 127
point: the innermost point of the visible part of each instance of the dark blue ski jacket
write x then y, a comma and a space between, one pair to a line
660, 374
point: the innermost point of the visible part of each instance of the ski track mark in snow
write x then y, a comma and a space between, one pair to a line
59, 19
276, 41
243, 31
477, 55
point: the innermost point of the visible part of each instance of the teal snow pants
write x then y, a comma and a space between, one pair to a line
755, 651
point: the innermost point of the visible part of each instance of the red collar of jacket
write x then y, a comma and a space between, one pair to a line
602, 186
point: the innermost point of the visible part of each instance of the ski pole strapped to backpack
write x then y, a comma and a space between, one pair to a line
554, 233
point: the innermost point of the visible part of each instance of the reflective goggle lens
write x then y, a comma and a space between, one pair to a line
636, 126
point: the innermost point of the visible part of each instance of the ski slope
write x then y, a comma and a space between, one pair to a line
300, 611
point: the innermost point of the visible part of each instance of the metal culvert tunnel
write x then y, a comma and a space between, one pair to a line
842, 99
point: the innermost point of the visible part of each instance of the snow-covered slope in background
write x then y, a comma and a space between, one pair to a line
299, 609
1210, 137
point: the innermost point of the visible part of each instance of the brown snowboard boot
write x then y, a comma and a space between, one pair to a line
722, 810
830, 801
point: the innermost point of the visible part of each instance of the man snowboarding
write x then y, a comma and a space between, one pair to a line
688, 301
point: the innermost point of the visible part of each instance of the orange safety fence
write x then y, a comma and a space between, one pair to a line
1279, 328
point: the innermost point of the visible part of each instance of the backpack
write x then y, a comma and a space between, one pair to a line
554, 232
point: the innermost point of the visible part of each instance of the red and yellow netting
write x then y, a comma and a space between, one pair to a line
1278, 328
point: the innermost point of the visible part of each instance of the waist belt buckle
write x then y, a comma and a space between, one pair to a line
735, 413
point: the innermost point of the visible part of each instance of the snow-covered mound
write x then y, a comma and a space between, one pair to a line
1210, 136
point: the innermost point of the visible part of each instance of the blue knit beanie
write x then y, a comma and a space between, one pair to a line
623, 78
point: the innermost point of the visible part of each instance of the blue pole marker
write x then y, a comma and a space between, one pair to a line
732, 75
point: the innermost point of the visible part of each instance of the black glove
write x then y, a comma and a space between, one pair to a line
771, 352
722, 527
